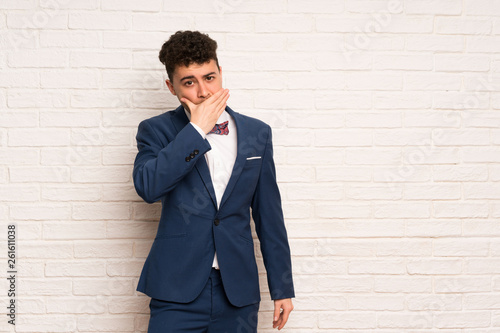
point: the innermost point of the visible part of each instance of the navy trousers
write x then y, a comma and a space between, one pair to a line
210, 312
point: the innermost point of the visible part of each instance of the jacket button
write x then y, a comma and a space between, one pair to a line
191, 155
217, 222
196, 151
188, 159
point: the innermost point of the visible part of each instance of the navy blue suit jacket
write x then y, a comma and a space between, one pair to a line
170, 166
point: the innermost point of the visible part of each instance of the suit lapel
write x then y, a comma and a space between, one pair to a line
180, 120
240, 161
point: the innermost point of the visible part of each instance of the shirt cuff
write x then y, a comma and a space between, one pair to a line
198, 128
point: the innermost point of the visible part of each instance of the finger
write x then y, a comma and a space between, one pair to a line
215, 97
187, 102
285, 315
277, 307
222, 102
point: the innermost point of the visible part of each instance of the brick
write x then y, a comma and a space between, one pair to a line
280, 23
19, 192
130, 5
107, 136
38, 19
38, 137
69, 39
40, 58
227, 24
433, 192
463, 26
480, 154
69, 4
346, 60
343, 210
402, 284
99, 21
362, 81
403, 62
370, 6
460, 173
315, 6
376, 303
68, 230
28, 98
435, 43
315, 42
455, 63
407, 209
460, 209
342, 173
434, 7
38, 174
119, 156
40, 212
325, 100
113, 174
101, 211
385, 119
133, 80
481, 8
402, 100
80, 268
432, 81
123, 229
96, 249
373, 192
70, 192
460, 247
343, 138
77, 305
425, 154
19, 79
133, 40
372, 156
108, 323
21, 4
70, 119
100, 59
459, 319
434, 266
47, 323
452, 137
434, 302
483, 44
292, 62
19, 118
67, 156
404, 173
69, 79
42, 249
124, 267
160, 22
401, 137
99, 99
103, 286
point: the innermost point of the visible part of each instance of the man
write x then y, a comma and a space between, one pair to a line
210, 166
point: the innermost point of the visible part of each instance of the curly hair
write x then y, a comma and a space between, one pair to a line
185, 48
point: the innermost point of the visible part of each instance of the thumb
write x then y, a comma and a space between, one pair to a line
277, 307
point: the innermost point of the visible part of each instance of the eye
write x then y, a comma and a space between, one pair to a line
188, 83
210, 78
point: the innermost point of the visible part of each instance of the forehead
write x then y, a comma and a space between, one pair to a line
195, 69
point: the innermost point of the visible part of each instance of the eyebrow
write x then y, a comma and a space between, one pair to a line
192, 76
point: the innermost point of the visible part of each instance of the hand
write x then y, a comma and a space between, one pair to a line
280, 319
206, 113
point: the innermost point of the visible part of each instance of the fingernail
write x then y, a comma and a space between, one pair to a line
275, 318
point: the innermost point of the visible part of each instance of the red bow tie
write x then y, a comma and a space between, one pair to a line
220, 129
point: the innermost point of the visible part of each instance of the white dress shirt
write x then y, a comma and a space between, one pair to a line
220, 159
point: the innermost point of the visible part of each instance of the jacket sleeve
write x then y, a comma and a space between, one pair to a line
158, 168
270, 227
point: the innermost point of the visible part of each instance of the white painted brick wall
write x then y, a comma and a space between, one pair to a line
386, 132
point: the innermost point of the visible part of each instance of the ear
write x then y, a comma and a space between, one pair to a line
170, 86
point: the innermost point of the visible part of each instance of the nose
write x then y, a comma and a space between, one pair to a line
203, 91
